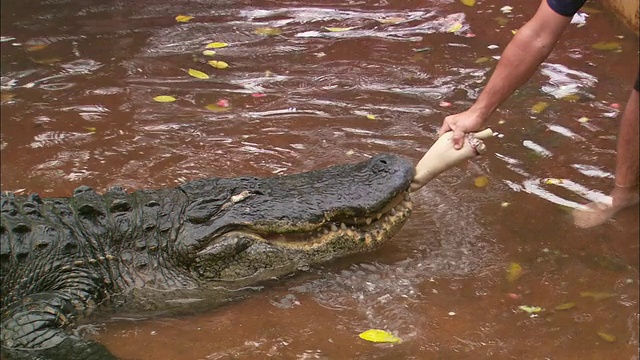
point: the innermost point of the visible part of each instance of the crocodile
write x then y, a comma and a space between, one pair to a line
62, 259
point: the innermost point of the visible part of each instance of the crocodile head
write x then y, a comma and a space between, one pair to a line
253, 229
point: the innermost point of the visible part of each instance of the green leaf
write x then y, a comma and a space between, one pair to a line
482, 59
468, 2
379, 336
455, 27
208, 52
539, 107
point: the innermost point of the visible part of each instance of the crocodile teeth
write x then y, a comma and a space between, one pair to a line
343, 226
379, 216
393, 211
407, 196
368, 221
334, 227
326, 231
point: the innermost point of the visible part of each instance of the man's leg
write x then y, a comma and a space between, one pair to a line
625, 191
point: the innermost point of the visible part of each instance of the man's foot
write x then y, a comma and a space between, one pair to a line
598, 213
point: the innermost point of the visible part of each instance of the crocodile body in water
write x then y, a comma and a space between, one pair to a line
61, 258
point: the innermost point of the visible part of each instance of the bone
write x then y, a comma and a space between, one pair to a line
443, 156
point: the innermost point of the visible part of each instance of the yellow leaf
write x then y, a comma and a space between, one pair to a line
391, 20
216, 45
455, 27
217, 108
481, 181
208, 52
183, 18
501, 20
572, 97
468, 2
91, 129
583, 119
607, 46
596, 295
339, 29
530, 309
482, 60
566, 306
552, 181
514, 31
198, 74
371, 117
36, 47
514, 271
379, 336
218, 64
267, 31
164, 98
606, 337
539, 107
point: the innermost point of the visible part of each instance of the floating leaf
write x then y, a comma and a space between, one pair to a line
571, 97
183, 18
164, 98
455, 27
566, 306
339, 29
597, 295
606, 337
216, 45
482, 60
501, 20
539, 107
198, 74
217, 108
552, 181
583, 119
424, 49
514, 271
607, 46
218, 64
468, 2
514, 31
91, 129
530, 309
36, 47
379, 336
391, 20
371, 117
481, 181
267, 31
208, 52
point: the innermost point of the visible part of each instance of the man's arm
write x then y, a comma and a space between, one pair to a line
521, 58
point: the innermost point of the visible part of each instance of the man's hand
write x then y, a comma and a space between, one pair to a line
461, 124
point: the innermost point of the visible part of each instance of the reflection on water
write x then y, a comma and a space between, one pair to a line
339, 82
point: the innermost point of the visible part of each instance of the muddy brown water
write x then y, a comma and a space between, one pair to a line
78, 81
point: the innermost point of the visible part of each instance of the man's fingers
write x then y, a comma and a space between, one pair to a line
444, 128
458, 138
